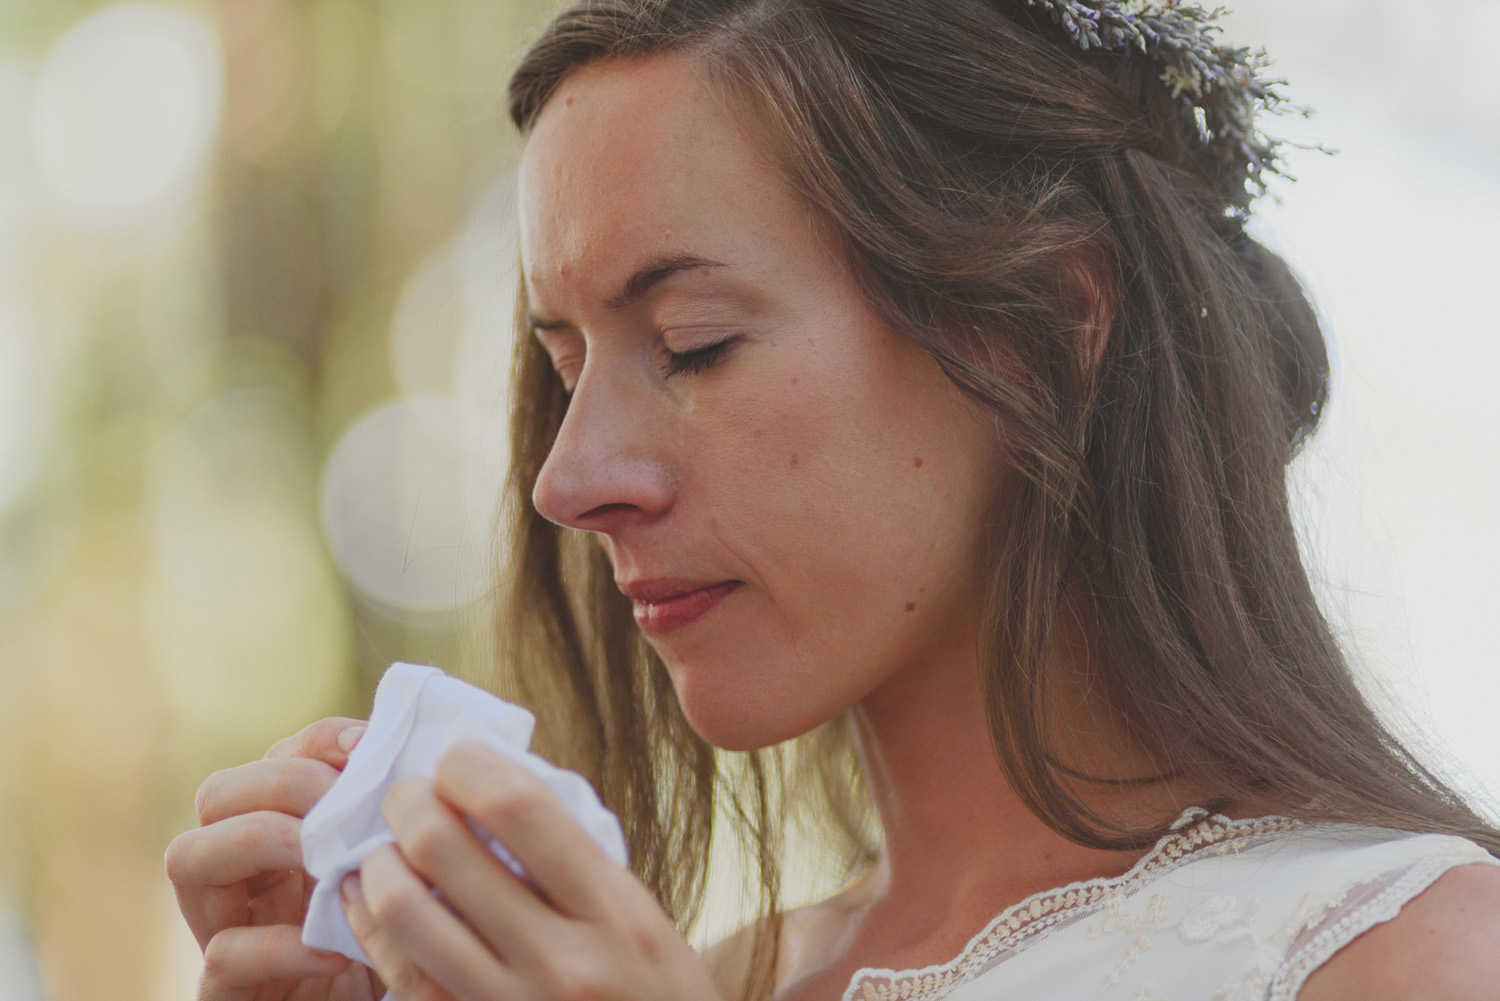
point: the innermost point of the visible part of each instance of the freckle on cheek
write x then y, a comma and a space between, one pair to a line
911, 606
918, 462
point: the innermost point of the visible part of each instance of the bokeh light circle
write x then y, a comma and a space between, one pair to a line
401, 512
127, 107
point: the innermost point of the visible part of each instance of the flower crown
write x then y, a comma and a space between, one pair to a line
1221, 83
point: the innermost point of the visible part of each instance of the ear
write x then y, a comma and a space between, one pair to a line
1093, 300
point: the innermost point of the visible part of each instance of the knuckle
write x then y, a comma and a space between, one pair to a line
519, 804
429, 840
282, 748
393, 907
282, 784
303, 780
178, 856
217, 960
286, 832
641, 934
266, 955
268, 833
203, 799
559, 984
406, 982
577, 979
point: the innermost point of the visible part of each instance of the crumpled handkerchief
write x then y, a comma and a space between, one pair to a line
419, 713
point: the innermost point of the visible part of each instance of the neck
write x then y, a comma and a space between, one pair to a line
959, 844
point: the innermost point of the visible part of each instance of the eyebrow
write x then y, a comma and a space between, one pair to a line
637, 285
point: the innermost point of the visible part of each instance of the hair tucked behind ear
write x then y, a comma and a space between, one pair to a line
971, 160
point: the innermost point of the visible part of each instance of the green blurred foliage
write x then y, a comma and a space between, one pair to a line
167, 603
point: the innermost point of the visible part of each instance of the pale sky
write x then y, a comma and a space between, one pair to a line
1395, 236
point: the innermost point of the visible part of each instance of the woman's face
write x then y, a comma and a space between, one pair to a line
789, 490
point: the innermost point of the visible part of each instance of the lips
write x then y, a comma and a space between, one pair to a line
664, 605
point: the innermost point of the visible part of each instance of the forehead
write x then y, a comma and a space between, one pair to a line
635, 158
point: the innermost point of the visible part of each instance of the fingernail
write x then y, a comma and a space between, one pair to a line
329, 954
350, 889
349, 736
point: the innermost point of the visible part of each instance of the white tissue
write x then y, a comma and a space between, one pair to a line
419, 713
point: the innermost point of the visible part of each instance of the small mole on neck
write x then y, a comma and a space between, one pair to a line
792, 462
918, 462
911, 606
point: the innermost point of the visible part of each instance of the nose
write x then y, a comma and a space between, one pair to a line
605, 472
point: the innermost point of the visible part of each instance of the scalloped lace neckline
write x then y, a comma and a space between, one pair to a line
1192, 834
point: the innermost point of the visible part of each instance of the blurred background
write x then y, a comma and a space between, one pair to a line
256, 270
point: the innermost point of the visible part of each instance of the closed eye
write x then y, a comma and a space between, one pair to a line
568, 369
698, 360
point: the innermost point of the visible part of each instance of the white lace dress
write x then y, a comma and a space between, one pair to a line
1219, 910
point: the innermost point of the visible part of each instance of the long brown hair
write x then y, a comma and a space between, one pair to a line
1000, 194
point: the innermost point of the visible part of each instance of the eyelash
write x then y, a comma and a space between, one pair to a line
696, 361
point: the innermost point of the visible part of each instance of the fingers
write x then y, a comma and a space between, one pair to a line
239, 879
238, 961
236, 849
440, 846
244, 866
524, 815
208, 867
284, 785
278, 898
328, 740
415, 943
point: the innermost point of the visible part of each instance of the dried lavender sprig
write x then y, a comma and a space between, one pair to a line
1223, 83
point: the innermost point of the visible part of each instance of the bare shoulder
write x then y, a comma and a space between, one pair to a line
807, 937
728, 961
1443, 946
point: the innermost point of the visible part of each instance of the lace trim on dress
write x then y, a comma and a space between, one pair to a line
1022, 924
1376, 901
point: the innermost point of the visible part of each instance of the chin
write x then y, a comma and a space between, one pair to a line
735, 720
741, 690
727, 724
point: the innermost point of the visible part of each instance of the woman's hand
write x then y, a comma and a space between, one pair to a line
586, 928
239, 878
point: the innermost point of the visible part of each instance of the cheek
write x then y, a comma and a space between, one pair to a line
782, 470
849, 502
860, 491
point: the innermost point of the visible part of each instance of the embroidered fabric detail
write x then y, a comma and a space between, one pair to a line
1373, 902
1019, 926
1209, 919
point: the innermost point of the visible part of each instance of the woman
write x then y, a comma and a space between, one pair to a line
902, 373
